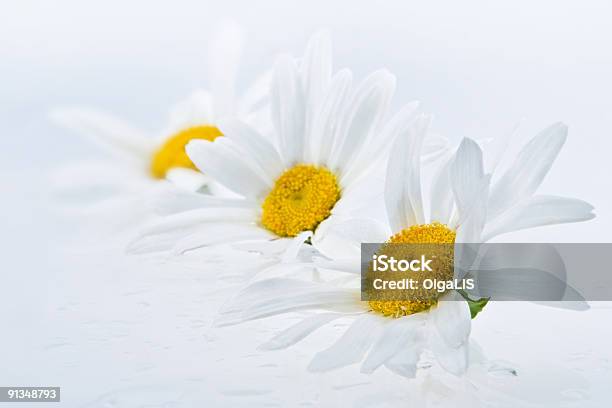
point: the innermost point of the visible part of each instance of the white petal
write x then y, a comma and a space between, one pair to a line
218, 160
299, 331
148, 244
195, 110
316, 66
367, 108
267, 249
377, 152
179, 225
398, 334
442, 195
295, 246
529, 169
224, 54
316, 70
436, 147
262, 151
366, 194
348, 265
256, 95
187, 179
351, 347
467, 173
220, 233
403, 197
342, 238
394, 128
288, 110
453, 359
176, 201
494, 150
194, 217
106, 130
470, 188
449, 336
324, 129
538, 211
452, 320
404, 362
472, 223
279, 295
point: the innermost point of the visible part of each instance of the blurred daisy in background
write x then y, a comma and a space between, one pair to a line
464, 207
141, 163
331, 140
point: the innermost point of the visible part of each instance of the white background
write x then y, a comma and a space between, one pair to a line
479, 66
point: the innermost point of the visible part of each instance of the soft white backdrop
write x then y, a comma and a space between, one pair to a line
479, 66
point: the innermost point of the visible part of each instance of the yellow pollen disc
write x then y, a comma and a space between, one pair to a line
172, 153
434, 233
301, 198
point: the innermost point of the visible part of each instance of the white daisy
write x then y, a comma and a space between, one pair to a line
329, 136
465, 207
139, 161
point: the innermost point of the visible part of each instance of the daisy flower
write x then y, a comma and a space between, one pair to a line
464, 207
329, 135
139, 160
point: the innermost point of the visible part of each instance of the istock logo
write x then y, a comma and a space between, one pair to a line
383, 263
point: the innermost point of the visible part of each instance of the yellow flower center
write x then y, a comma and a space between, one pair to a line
301, 198
172, 153
434, 233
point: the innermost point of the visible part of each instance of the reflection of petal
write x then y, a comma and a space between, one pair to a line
299, 331
399, 334
452, 359
219, 233
405, 361
451, 319
292, 251
351, 347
